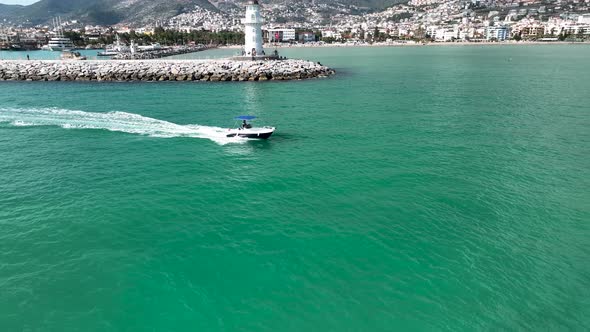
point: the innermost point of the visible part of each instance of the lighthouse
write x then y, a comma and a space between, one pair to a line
253, 29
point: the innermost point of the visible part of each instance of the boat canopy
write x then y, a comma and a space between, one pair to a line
245, 117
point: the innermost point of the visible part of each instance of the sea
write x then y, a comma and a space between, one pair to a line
427, 188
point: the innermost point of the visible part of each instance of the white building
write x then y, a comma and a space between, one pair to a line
281, 35
497, 33
329, 33
444, 34
418, 3
253, 29
584, 19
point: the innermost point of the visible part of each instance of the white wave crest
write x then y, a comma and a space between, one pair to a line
112, 121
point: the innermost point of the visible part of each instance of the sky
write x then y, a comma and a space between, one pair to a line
18, 2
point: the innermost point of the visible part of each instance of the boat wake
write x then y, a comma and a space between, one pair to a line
112, 121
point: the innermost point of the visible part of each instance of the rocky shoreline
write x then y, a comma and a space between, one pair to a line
161, 70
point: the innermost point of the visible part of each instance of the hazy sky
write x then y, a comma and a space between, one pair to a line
18, 2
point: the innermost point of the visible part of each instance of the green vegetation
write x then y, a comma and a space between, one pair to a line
399, 17
562, 36
75, 37
164, 37
167, 37
379, 36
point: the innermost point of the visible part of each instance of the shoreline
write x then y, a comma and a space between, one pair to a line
430, 44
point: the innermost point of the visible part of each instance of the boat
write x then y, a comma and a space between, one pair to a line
152, 47
107, 53
247, 131
59, 42
68, 55
117, 48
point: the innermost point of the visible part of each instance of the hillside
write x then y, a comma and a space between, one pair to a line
140, 12
368, 4
102, 12
8, 11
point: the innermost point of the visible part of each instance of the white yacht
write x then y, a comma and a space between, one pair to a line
59, 42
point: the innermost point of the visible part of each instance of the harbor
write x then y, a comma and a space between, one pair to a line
137, 63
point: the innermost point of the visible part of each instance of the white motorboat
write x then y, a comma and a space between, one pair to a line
152, 47
107, 53
247, 131
117, 48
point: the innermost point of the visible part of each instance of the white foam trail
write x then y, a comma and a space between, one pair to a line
112, 121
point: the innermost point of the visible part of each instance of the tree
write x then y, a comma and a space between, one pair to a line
75, 37
328, 40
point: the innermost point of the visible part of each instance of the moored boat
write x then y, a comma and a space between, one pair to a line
68, 55
59, 42
117, 48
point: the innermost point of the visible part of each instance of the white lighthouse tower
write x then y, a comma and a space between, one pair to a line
253, 29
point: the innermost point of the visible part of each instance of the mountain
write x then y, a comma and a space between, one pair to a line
104, 12
367, 4
140, 12
6, 11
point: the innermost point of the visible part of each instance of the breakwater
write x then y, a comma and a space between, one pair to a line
160, 53
161, 70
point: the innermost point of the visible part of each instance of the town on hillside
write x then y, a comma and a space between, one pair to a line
417, 21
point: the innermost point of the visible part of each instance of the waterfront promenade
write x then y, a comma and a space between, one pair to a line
161, 70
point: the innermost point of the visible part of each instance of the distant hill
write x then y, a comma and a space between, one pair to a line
6, 11
369, 4
139, 12
103, 12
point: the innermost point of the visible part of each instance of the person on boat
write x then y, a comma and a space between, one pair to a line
245, 125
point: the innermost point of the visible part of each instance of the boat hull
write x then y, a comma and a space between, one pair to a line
107, 53
59, 48
252, 133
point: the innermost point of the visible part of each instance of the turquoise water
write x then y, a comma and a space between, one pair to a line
421, 188
44, 55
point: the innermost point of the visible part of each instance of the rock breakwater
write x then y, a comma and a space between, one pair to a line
161, 70
161, 53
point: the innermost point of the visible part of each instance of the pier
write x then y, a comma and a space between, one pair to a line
161, 70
